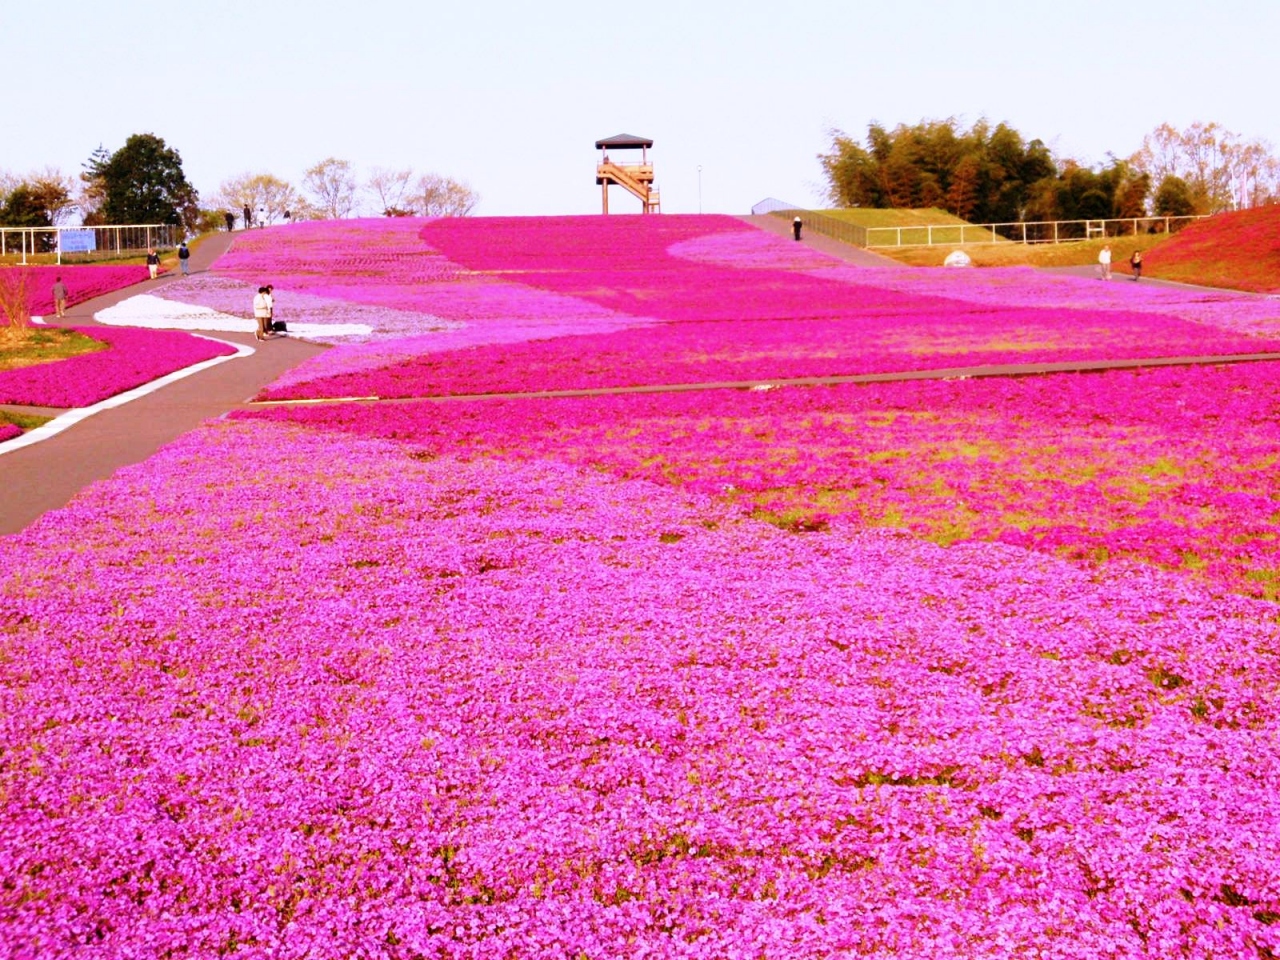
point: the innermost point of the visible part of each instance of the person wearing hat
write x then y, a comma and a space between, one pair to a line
796, 224
183, 256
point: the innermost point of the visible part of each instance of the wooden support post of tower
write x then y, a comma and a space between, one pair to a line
635, 178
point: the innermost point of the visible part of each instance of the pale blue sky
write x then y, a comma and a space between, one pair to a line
512, 96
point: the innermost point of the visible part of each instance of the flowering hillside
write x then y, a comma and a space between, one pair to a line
974, 667
1238, 250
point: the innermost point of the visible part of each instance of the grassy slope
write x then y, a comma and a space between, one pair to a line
1076, 253
913, 222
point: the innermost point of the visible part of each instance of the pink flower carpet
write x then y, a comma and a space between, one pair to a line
965, 668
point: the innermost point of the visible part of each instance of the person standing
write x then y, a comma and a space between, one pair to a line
1135, 262
1104, 263
183, 256
796, 225
59, 297
231, 220
262, 312
153, 263
248, 217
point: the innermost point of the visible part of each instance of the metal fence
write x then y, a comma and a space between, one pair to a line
60, 244
832, 227
1026, 231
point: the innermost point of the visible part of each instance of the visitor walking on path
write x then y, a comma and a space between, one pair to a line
1135, 262
796, 225
183, 256
153, 263
1104, 263
248, 217
59, 297
262, 312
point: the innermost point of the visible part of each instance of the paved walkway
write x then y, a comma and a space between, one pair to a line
941, 373
822, 243
44, 476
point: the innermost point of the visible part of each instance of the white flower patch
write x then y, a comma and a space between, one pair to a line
146, 310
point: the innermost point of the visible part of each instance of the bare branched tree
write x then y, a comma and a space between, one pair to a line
439, 196
332, 186
1221, 170
268, 196
388, 187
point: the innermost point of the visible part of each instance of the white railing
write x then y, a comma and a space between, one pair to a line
115, 240
1025, 231
924, 235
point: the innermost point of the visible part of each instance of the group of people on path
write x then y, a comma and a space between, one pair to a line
184, 260
153, 268
1104, 264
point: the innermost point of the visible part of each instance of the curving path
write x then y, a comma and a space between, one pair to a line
46, 475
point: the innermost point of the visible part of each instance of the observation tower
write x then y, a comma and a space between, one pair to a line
636, 178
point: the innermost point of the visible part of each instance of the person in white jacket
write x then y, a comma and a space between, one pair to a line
262, 312
1104, 263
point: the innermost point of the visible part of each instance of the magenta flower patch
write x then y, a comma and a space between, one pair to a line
83, 282
135, 357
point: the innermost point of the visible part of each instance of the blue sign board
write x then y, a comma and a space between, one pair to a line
78, 241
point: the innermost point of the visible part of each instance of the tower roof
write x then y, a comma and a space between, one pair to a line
623, 141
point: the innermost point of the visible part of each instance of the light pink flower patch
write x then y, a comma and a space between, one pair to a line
1026, 286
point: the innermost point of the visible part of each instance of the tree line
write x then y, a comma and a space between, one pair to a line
143, 182
991, 174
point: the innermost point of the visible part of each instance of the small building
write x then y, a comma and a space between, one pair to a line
636, 178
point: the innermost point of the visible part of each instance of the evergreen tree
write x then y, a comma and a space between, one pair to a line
23, 207
93, 191
143, 182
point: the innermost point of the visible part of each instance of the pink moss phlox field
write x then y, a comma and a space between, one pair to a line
134, 357
1240, 249
8, 431
377, 705
749, 321
433, 304
1171, 466
83, 282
